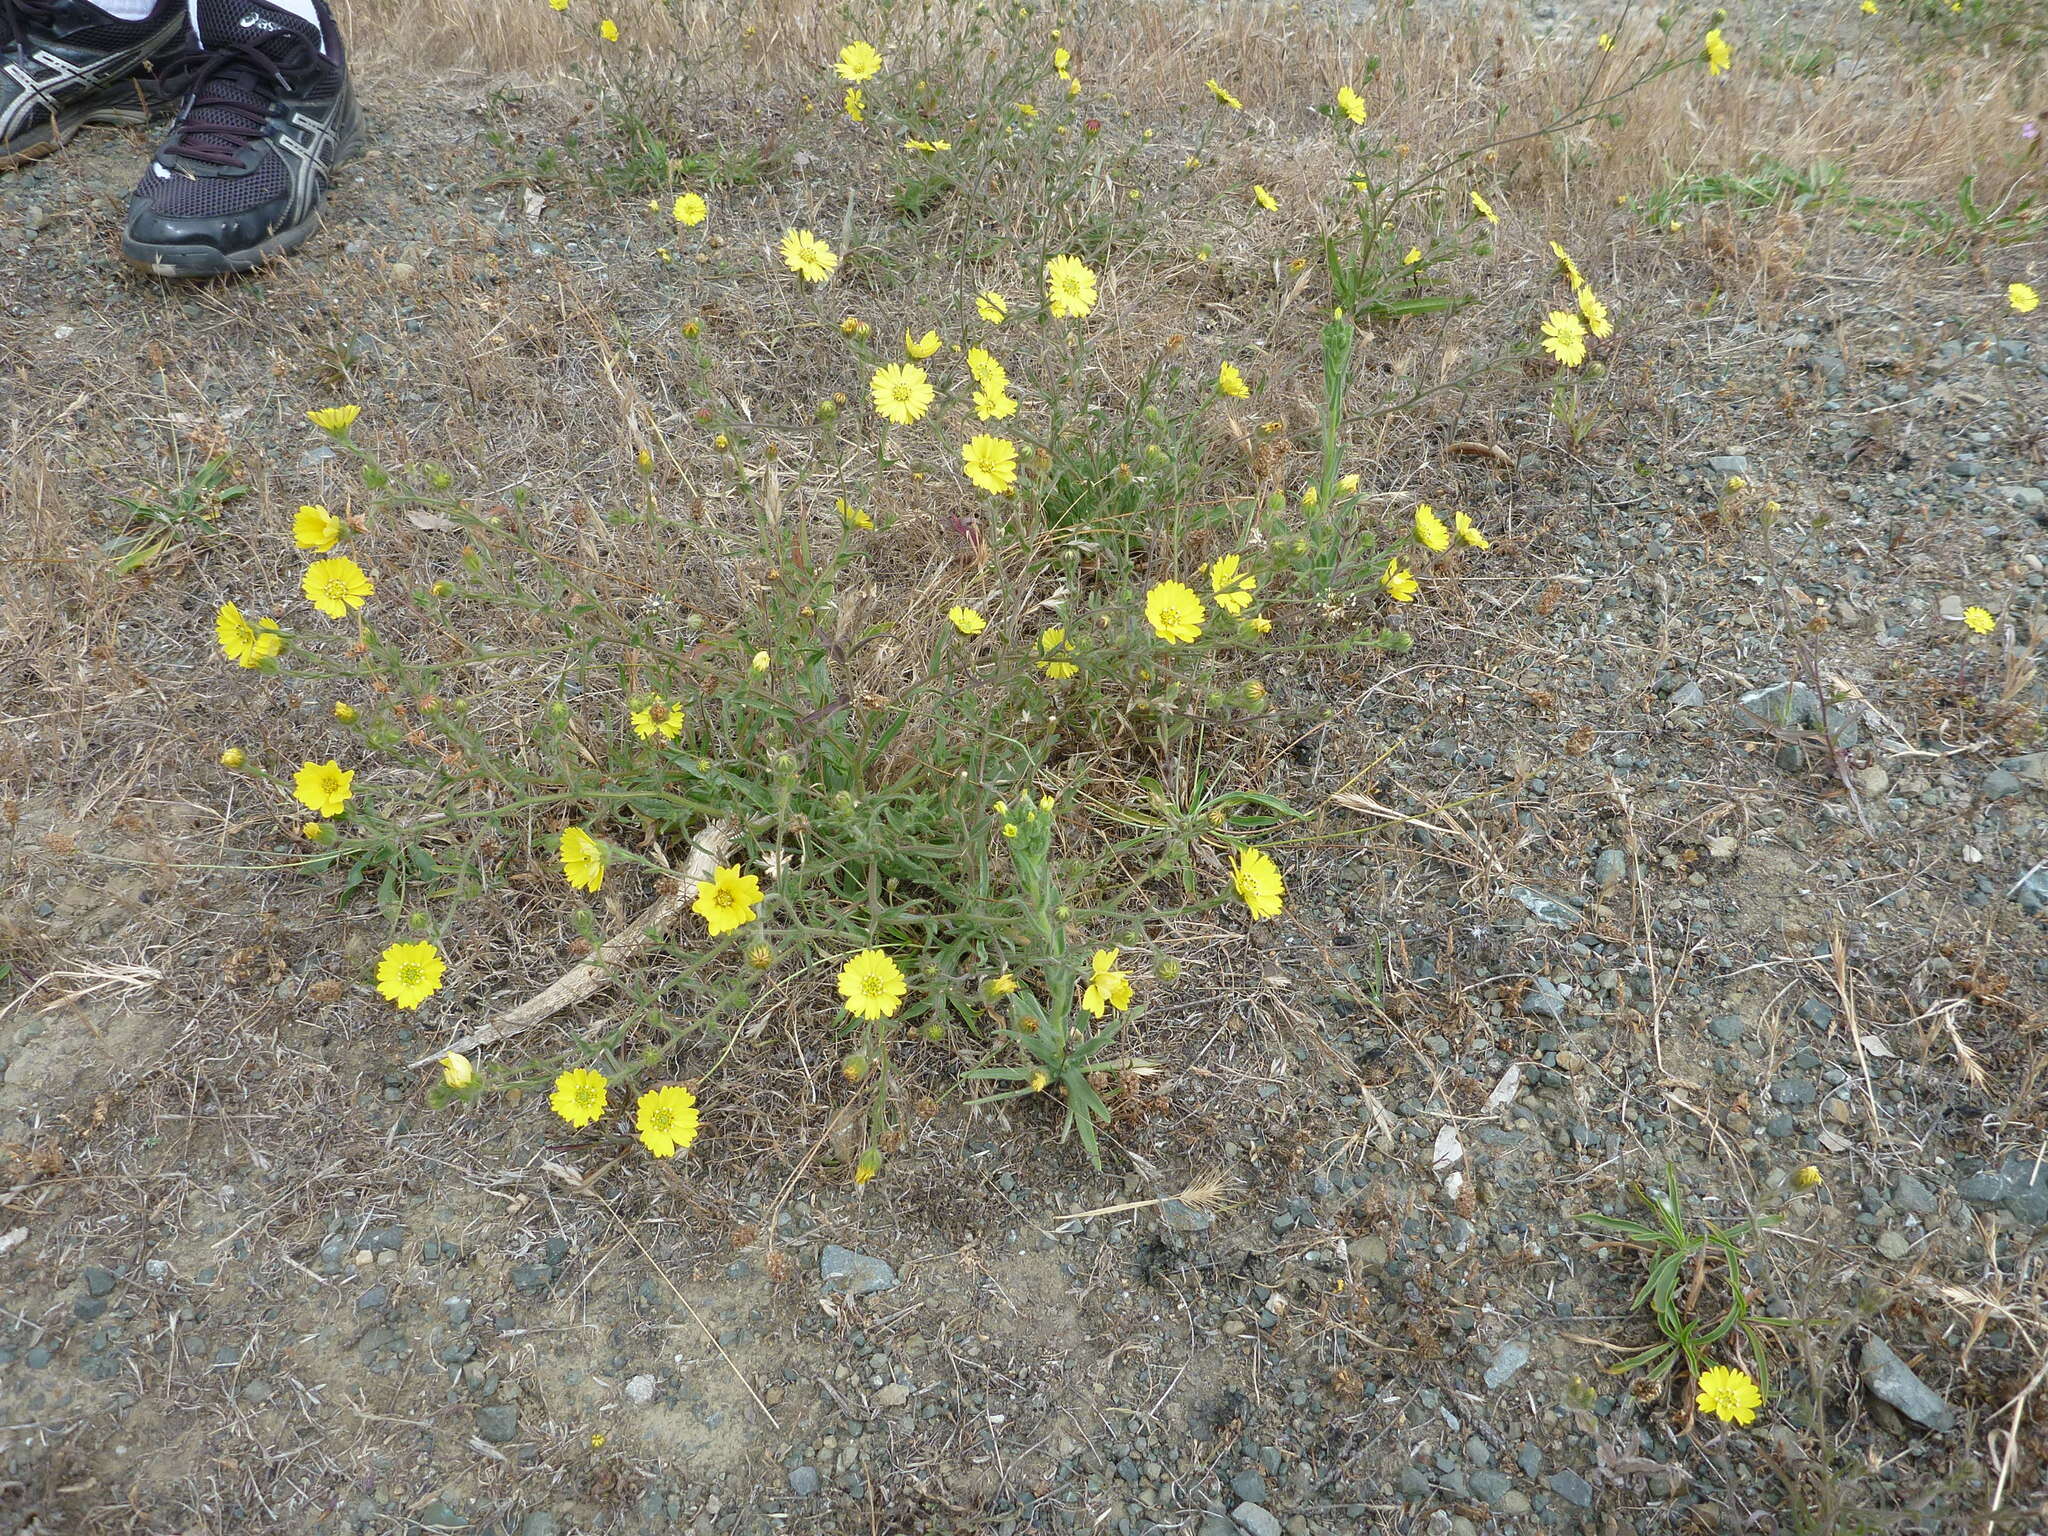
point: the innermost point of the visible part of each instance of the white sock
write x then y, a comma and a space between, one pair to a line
125, 10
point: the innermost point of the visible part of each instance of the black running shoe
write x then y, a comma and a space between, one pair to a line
66, 63
267, 113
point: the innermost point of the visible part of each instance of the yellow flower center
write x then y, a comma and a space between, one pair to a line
660, 1118
722, 898
873, 986
409, 974
337, 587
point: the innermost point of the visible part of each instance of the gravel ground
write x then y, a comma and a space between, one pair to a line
1636, 898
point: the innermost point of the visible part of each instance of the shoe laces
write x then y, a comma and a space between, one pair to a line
229, 89
17, 17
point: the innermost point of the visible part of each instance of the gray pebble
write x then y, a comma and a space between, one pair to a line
842, 1271
1507, 1360
1255, 1520
1891, 1379
497, 1423
804, 1481
1572, 1488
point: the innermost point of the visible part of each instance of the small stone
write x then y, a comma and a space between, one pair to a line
1544, 1000
497, 1423
2001, 785
1691, 696
805, 1481
1413, 1483
538, 1523
1571, 1487
98, 1281
1893, 1244
1792, 1090
1610, 868
1249, 1487
1909, 1194
1179, 1216
640, 1390
842, 1271
1255, 1520
1546, 908
375, 1299
1507, 1360
894, 1395
1890, 1379
1725, 464
1872, 782
1491, 1486
1728, 1028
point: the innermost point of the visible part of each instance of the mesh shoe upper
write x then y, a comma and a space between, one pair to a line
266, 109
59, 56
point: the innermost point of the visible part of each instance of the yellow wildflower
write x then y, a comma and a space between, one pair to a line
317, 529
1430, 531
871, 986
334, 419
807, 256
1069, 287
1175, 613
1107, 987
1399, 584
666, 1120
583, 860
579, 1096
409, 974
323, 788
1729, 1394
1258, 883
1231, 584
991, 463
727, 900
243, 643
335, 585
1230, 382
658, 717
858, 62
966, 620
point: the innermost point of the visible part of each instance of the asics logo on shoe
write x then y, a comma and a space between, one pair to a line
260, 24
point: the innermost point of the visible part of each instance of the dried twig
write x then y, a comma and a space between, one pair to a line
571, 988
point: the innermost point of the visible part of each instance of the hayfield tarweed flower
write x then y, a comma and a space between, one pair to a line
991, 463
902, 393
966, 620
857, 62
1259, 885
335, 585
2022, 298
727, 900
1052, 646
1398, 583
1595, 313
1069, 287
334, 419
583, 860
1265, 199
1430, 531
409, 974
918, 348
690, 210
1231, 584
1175, 613
1564, 337
658, 717
666, 1120
807, 256
579, 1096
1484, 209
457, 1070
1230, 382
243, 643
1351, 104
323, 788
1729, 1394
1715, 50
1107, 987
608, 30
1224, 96
316, 529
1979, 620
1468, 532
871, 986
992, 306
